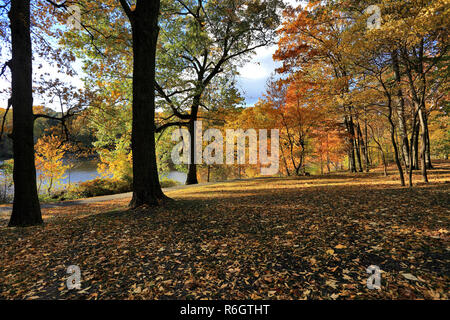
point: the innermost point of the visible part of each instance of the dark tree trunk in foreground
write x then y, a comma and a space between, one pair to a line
192, 167
394, 145
144, 23
26, 210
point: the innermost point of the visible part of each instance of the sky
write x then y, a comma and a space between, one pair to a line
251, 82
254, 75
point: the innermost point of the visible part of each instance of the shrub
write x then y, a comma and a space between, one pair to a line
102, 187
167, 183
107, 186
6, 181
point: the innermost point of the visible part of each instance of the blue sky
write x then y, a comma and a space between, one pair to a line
252, 79
254, 75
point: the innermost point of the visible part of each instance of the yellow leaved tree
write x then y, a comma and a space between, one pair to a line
50, 151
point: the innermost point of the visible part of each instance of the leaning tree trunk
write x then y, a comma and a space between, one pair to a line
356, 143
146, 187
394, 145
26, 210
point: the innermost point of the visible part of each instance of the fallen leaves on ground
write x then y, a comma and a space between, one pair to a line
304, 238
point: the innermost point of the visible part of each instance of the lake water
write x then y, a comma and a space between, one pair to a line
82, 171
87, 170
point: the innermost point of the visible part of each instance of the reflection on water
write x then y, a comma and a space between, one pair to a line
80, 172
86, 170
177, 176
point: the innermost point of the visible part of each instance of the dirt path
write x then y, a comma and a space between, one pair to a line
5, 210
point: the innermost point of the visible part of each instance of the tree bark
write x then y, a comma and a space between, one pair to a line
26, 210
357, 146
146, 186
394, 144
428, 144
192, 166
401, 110
351, 151
284, 161
423, 146
416, 148
366, 146
411, 147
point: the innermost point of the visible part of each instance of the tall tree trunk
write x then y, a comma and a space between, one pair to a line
26, 210
416, 148
351, 153
366, 145
411, 147
428, 145
394, 145
146, 186
423, 146
401, 110
357, 146
192, 166
363, 147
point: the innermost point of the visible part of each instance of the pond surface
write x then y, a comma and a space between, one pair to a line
86, 170
82, 171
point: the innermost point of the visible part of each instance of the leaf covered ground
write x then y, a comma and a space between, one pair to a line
296, 238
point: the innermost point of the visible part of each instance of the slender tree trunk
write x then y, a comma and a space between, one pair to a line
26, 210
146, 186
416, 148
411, 148
366, 146
383, 158
423, 147
284, 161
363, 144
428, 144
357, 147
